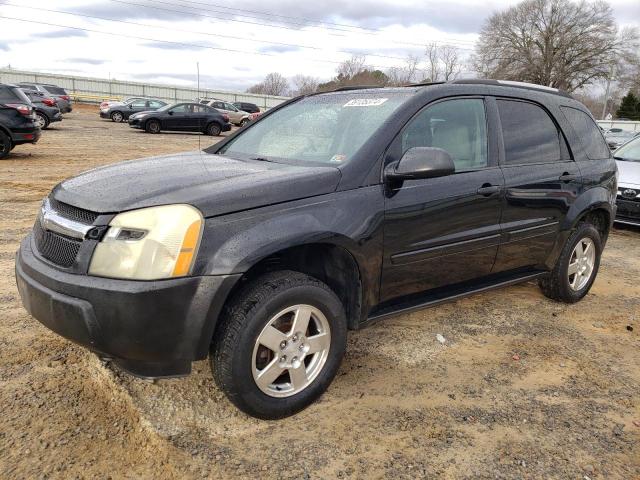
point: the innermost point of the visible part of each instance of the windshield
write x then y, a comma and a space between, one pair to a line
319, 129
629, 152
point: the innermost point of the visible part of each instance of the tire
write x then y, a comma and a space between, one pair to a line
213, 129
243, 122
117, 117
5, 144
571, 288
42, 121
152, 126
236, 352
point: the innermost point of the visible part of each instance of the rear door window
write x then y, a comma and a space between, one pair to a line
529, 134
588, 132
55, 90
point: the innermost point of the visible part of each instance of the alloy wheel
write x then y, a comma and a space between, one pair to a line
291, 350
581, 264
40, 121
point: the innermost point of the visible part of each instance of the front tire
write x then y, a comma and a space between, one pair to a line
280, 342
117, 117
152, 126
576, 268
213, 129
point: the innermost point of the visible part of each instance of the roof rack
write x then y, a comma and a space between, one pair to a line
423, 84
510, 83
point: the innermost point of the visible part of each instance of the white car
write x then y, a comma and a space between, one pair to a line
628, 200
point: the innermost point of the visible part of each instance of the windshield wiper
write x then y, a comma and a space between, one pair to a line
260, 159
618, 158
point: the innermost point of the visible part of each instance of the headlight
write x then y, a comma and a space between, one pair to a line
149, 244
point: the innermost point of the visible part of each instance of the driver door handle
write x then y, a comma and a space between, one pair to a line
567, 177
487, 190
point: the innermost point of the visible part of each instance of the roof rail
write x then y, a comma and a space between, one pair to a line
510, 83
423, 84
356, 87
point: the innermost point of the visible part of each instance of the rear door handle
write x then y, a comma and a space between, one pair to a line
567, 177
487, 190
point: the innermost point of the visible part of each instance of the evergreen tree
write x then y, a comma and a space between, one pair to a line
629, 107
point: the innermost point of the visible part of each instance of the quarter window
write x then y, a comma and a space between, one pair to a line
589, 133
529, 134
457, 126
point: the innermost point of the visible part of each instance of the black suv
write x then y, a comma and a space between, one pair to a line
331, 211
17, 119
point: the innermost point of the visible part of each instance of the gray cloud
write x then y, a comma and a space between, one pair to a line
214, 82
278, 49
88, 61
177, 46
4, 46
65, 33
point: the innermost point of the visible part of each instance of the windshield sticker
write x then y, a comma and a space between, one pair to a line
339, 158
365, 102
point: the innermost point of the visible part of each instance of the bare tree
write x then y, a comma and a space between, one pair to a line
304, 85
350, 68
355, 72
443, 63
406, 74
273, 84
559, 43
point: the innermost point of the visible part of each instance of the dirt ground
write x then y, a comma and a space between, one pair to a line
522, 388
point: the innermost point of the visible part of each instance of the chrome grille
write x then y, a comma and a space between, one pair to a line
74, 213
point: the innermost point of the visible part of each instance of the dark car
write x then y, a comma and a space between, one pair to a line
330, 212
247, 107
119, 112
17, 119
47, 110
628, 159
184, 117
616, 137
60, 95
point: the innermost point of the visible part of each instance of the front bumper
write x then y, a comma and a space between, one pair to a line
104, 114
628, 211
151, 329
134, 123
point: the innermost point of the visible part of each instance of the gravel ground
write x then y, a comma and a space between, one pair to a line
522, 388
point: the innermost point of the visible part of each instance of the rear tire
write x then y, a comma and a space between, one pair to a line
42, 121
303, 322
152, 126
244, 122
576, 268
5, 145
213, 129
117, 117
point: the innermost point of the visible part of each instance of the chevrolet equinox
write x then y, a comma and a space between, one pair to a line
330, 212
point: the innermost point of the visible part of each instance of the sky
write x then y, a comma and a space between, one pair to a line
236, 43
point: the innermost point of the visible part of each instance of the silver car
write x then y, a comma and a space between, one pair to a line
236, 116
59, 94
628, 200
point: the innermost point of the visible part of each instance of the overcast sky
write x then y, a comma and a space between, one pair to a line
236, 42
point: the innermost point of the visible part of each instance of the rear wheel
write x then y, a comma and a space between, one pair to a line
153, 126
5, 144
117, 117
577, 266
213, 129
279, 344
42, 121
244, 122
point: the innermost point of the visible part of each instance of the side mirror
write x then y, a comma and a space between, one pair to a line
421, 162
170, 112
130, 107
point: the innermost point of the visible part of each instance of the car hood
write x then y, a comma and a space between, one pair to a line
215, 184
629, 172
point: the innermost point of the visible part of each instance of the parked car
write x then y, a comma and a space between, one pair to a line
330, 212
628, 200
186, 117
17, 119
108, 103
247, 107
616, 137
47, 110
236, 116
119, 112
60, 95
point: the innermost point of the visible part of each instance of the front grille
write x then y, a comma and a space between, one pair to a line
73, 213
56, 248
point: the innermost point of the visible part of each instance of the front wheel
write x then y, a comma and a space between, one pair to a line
279, 345
152, 126
117, 117
576, 268
213, 129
